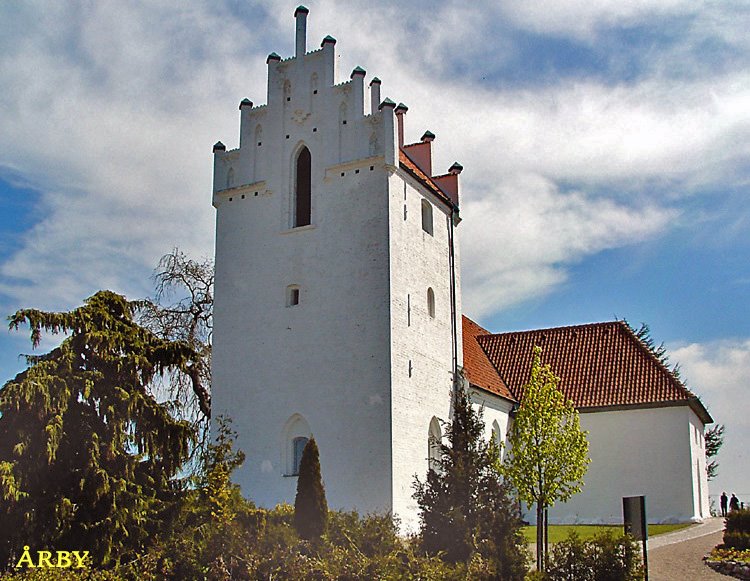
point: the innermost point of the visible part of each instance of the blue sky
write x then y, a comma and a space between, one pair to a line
606, 148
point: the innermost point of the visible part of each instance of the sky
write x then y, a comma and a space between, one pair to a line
606, 148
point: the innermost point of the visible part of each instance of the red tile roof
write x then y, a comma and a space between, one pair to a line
407, 164
478, 369
600, 365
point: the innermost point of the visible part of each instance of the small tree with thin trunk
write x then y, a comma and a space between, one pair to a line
548, 451
310, 506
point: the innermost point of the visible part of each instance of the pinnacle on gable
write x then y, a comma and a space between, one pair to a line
245, 103
401, 108
219, 146
455, 169
428, 136
358, 71
328, 39
375, 81
273, 57
386, 103
302, 9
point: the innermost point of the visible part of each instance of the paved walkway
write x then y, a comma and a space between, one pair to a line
678, 556
707, 527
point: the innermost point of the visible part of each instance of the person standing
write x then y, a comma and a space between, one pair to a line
734, 503
723, 503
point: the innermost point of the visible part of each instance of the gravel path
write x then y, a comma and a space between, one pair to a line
679, 556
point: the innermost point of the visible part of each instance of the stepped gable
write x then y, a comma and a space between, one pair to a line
600, 365
478, 369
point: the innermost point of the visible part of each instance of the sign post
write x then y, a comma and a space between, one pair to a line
634, 518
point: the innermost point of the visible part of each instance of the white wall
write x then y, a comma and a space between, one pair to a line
422, 350
701, 506
328, 358
635, 452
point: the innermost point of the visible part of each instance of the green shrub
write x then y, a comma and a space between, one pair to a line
604, 557
737, 530
570, 559
738, 521
736, 540
372, 535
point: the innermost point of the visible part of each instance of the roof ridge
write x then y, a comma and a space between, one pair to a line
561, 328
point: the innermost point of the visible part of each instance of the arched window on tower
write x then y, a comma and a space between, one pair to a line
298, 446
427, 217
303, 188
295, 435
431, 302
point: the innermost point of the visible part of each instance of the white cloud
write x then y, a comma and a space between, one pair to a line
718, 372
518, 239
110, 110
113, 117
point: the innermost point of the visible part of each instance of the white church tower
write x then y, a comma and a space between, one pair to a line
337, 310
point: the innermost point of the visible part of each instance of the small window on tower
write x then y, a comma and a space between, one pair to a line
292, 295
427, 217
431, 302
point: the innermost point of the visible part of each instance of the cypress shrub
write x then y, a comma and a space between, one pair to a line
310, 506
467, 514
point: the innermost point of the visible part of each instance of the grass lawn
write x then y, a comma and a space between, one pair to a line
560, 532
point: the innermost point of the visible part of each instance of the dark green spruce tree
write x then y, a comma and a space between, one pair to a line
310, 505
465, 508
87, 455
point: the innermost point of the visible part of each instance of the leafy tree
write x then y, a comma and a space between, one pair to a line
310, 505
465, 509
87, 455
714, 441
548, 451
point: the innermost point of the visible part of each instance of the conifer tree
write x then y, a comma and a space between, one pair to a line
714, 441
464, 506
310, 505
548, 451
86, 453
